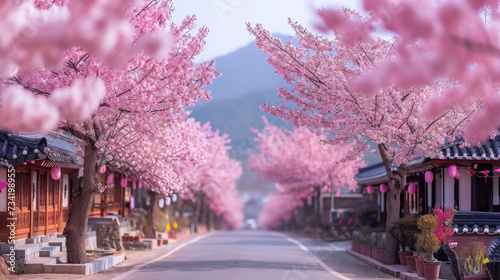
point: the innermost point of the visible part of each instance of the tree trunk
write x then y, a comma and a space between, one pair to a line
452, 256
150, 230
393, 206
83, 196
395, 182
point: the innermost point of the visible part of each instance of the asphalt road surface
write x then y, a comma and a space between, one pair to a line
250, 255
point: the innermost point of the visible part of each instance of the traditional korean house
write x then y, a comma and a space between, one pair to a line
45, 171
474, 188
116, 197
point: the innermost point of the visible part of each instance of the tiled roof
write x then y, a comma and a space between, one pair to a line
471, 222
16, 149
490, 150
373, 174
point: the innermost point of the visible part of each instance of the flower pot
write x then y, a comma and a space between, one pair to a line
477, 277
419, 265
410, 262
403, 255
431, 269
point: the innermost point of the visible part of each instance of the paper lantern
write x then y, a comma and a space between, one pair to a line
369, 189
132, 202
174, 197
134, 185
429, 176
3, 185
337, 194
123, 182
110, 179
383, 188
457, 176
411, 188
55, 172
102, 169
452, 170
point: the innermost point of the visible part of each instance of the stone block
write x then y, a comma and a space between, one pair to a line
48, 268
62, 268
34, 268
78, 269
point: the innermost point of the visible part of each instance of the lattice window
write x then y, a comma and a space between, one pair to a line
52, 184
25, 182
42, 194
19, 189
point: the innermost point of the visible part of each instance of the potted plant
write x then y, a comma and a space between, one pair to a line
404, 230
473, 265
428, 243
444, 232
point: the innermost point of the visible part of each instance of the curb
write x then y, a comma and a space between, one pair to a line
398, 271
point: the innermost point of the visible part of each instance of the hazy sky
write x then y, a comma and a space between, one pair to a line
226, 18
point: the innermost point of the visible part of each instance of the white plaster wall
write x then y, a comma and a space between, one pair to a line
449, 190
65, 181
465, 191
439, 188
3, 194
429, 194
35, 189
496, 199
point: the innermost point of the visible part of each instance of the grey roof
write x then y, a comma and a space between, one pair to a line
472, 222
373, 174
16, 149
490, 150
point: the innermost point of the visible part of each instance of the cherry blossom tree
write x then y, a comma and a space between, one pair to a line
142, 95
41, 32
318, 70
300, 162
453, 40
300, 159
214, 179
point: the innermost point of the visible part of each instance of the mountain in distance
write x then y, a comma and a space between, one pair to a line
244, 71
247, 82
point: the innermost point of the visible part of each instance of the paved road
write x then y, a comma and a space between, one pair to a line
250, 255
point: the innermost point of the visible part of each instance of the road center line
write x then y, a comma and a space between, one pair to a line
122, 276
324, 265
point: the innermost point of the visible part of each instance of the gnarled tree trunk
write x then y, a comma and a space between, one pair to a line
150, 230
393, 206
395, 182
83, 196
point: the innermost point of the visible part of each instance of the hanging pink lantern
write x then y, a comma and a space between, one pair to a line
457, 176
55, 172
429, 176
102, 169
383, 188
369, 189
337, 194
140, 184
110, 179
3, 185
123, 182
411, 188
452, 170
134, 185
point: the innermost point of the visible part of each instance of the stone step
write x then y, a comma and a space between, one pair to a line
49, 251
37, 265
60, 243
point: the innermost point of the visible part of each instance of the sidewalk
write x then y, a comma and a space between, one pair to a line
132, 259
398, 271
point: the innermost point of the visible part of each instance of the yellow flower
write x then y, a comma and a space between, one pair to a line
486, 260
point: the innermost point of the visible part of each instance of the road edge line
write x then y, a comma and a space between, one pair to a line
136, 268
318, 260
